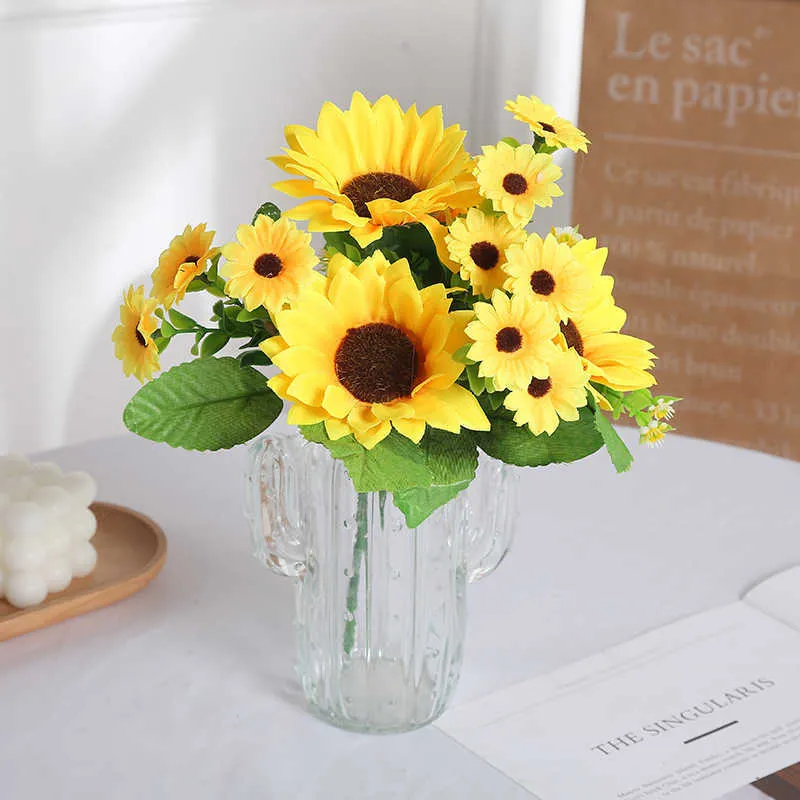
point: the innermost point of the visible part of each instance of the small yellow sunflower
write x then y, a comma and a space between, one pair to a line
545, 123
374, 166
184, 259
614, 359
544, 401
478, 243
133, 337
513, 340
368, 351
549, 272
270, 264
517, 179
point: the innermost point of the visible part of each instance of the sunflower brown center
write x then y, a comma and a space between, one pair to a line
191, 260
547, 127
484, 254
364, 189
539, 387
376, 363
514, 183
268, 265
508, 340
139, 338
542, 282
573, 336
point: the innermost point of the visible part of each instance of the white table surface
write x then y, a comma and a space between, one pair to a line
186, 689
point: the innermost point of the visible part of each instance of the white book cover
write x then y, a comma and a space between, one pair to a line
698, 710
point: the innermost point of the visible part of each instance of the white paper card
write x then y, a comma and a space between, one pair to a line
692, 711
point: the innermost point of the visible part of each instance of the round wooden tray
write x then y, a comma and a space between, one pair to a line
131, 550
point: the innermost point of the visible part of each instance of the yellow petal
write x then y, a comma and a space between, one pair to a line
302, 415
337, 401
413, 429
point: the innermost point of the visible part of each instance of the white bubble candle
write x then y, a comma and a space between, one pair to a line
46, 528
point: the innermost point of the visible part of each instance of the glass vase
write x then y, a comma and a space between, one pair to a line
380, 613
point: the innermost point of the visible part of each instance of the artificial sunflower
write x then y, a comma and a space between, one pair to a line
133, 337
185, 258
269, 265
478, 243
546, 124
549, 272
517, 179
611, 358
374, 166
593, 259
369, 351
543, 402
513, 340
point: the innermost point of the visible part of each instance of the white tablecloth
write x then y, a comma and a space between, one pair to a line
186, 690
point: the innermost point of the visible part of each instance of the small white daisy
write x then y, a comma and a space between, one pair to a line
663, 409
567, 234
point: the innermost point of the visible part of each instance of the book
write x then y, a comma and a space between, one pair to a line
696, 710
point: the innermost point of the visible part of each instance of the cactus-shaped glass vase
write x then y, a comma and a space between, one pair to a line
380, 606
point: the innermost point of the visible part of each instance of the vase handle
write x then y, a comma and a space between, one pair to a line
274, 505
491, 518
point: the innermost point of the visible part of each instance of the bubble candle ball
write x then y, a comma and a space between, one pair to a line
46, 527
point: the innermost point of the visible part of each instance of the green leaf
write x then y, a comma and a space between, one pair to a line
213, 343
268, 210
494, 400
213, 270
339, 240
615, 399
460, 355
352, 252
638, 400
161, 343
510, 140
180, 321
198, 284
167, 331
248, 316
394, 464
208, 404
219, 309
477, 385
621, 457
513, 444
254, 358
419, 503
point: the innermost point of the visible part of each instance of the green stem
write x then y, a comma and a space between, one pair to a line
359, 550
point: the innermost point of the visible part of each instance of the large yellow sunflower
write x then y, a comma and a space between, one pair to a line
545, 123
517, 179
374, 166
270, 264
478, 243
543, 402
512, 339
133, 337
549, 272
185, 258
612, 358
369, 351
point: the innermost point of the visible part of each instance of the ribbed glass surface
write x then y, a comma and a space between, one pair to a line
380, 607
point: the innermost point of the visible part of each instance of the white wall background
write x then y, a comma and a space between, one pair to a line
122, 120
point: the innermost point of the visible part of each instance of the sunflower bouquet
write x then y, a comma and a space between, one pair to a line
430, 326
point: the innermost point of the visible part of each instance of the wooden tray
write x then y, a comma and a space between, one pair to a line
130, 552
